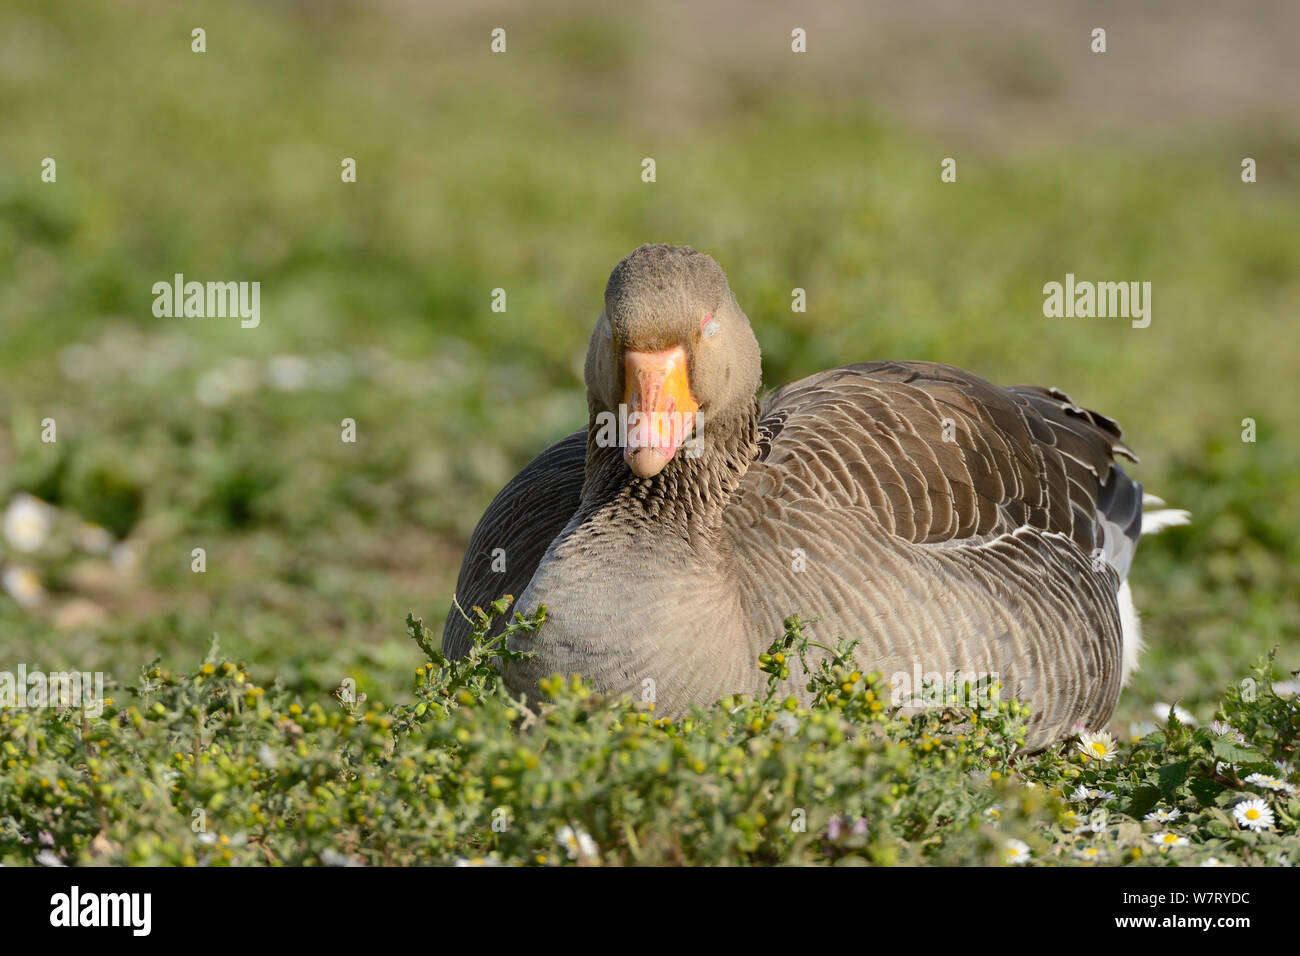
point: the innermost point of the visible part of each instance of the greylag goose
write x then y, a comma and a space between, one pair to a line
953, 526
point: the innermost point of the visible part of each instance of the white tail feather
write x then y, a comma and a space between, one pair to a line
1155, 518
1153, 522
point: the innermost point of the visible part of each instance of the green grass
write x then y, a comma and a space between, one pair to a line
523, 173
229, 772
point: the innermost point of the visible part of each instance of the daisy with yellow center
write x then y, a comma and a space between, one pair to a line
1015, 852
1088, 853
1082, 793
578, 844
1166, 840
1162, 816
1097, 746
1253, 815
1269, 782
27, 522
23, 586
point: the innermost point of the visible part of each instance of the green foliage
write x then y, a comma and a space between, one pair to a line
175, 433
213, 768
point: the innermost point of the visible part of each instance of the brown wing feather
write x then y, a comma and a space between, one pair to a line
522, 521
950, 522
942, 455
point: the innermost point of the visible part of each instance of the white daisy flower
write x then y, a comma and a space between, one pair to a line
1082, 793
1253, 814
577, 843
1139, 729
1098, 746
992, 814
1087, 853
1166, 840
1213, 861
27, 522
1161, 711
1221, 729
1269, 782
23, 586
1015, 852
93, 539
1162, 816
1287, 688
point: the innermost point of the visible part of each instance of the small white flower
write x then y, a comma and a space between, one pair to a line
1269, 782
1253, 814
1162, 816
1096, 823
93, 539
23, 586
49, 858
1213, 861
787, 723
1287, 688
212, 389
266, 757
1139, 729
27, 522
332, 857
1015, 852
1082, 793
1087, 853
992, 814
1161, 711
1166, 840
577, 843
288, 373
1221, 729
1098, 746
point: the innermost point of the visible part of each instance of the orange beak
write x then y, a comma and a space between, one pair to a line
660, 408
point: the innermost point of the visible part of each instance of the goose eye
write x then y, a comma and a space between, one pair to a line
710, 326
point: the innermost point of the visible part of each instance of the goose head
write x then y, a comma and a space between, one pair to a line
672, 357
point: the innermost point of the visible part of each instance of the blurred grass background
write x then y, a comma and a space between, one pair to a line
522, 171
